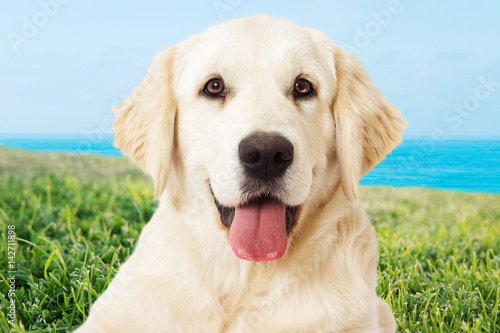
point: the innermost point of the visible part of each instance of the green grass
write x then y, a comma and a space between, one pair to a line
78, 217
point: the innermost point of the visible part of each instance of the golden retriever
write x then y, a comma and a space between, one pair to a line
256, 134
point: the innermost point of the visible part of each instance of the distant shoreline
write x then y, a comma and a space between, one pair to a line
464, 165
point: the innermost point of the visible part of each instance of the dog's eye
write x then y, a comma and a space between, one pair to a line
302, 88
215, 87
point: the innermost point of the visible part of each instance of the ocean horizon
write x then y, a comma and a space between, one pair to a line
459, 163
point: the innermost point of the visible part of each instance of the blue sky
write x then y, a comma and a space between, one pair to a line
63, 64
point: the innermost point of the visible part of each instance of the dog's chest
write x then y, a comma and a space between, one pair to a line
284, 305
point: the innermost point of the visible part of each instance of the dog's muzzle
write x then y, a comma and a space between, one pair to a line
259, 227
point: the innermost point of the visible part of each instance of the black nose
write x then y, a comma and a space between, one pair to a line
265, 155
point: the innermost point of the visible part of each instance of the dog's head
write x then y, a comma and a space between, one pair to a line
263, 115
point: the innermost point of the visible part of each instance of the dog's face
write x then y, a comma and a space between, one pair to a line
266, 115
258, 120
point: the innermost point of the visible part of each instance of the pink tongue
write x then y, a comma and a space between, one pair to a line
258, 231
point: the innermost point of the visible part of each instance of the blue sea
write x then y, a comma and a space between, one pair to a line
467, 165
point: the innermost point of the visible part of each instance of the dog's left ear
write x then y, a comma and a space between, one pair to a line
367, 125
145, 123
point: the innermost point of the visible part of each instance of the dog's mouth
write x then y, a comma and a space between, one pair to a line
259, 228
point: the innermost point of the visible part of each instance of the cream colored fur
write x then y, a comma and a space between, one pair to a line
183, 275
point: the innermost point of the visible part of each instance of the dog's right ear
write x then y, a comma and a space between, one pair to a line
145, 123
368, 126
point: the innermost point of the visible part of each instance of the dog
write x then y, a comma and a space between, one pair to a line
256, 133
